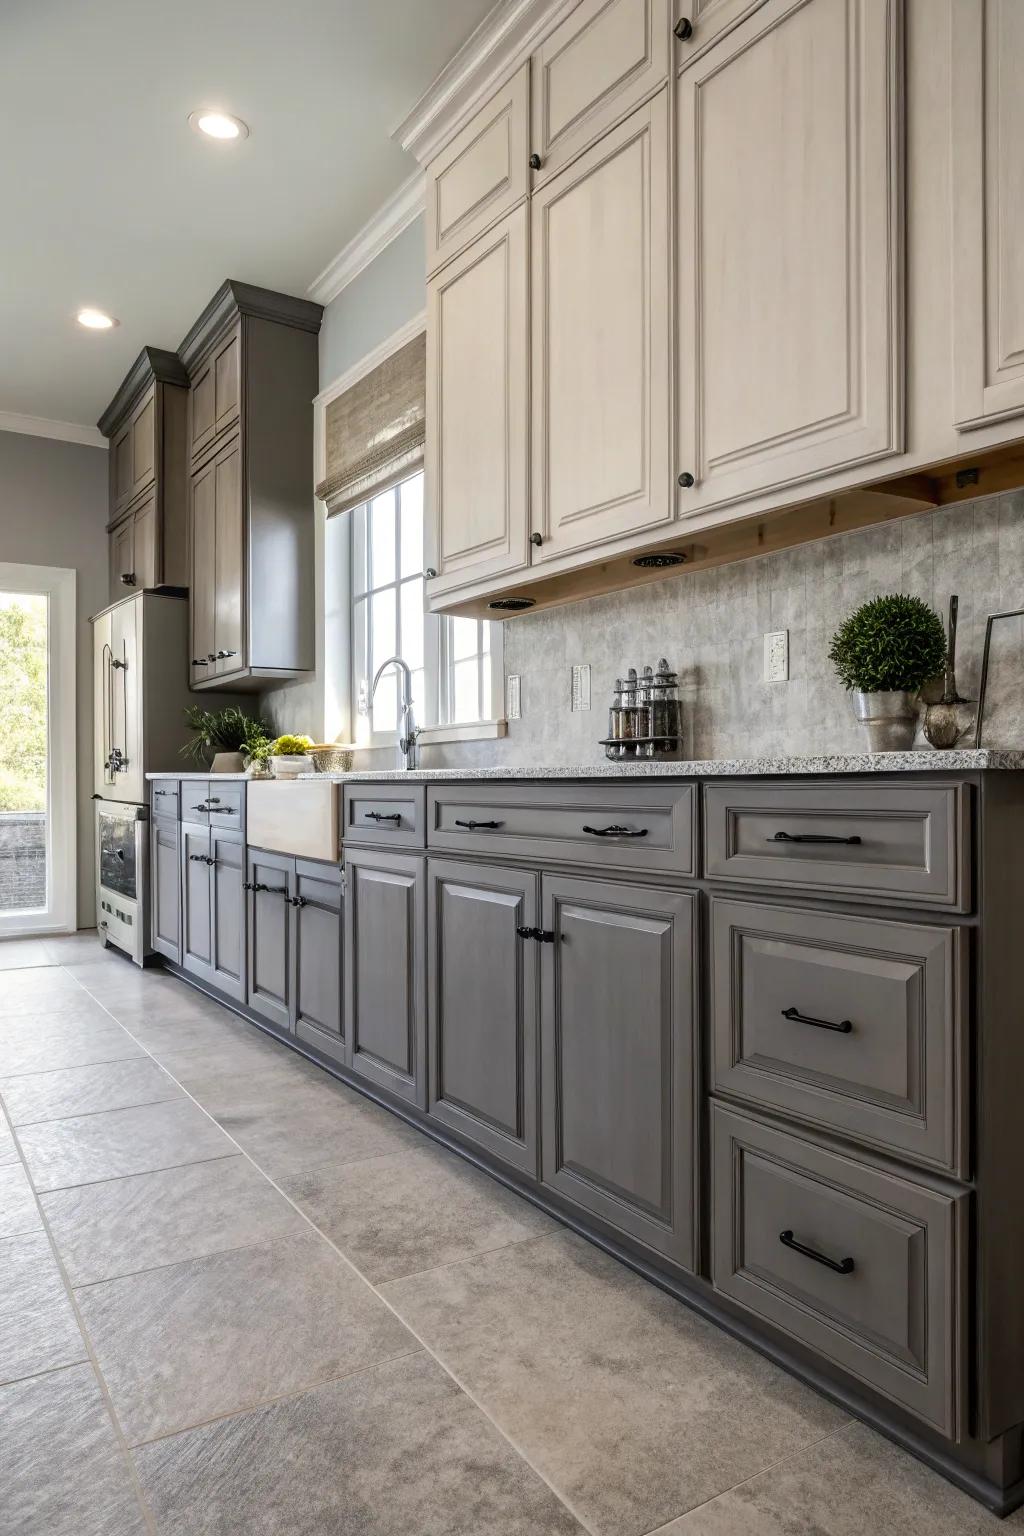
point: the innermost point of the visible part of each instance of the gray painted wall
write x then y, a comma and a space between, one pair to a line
53, 511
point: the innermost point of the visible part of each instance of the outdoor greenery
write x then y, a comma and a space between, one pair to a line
224, 730
23, 703
890, 643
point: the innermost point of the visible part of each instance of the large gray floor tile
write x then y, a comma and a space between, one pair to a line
48, 1044
182, 1027
192, 1341
149, 1219
22, 954
63, 948
38, 1330
18, 1209
39, 981
852, 1484
62, 1469
239, 1051
395, 1451
8, 1151
412, 1210
88, 1148
85, 1090
631, 1405
290, 1129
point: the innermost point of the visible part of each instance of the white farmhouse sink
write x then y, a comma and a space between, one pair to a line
297, 816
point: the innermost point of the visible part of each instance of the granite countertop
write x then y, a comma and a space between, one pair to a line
175, 773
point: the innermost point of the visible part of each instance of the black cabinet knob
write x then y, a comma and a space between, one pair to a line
128, 578
527, 933
430, 573
537, 539
535, 162
686, 479
683, 29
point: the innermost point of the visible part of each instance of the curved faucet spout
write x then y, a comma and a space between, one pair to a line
407, 748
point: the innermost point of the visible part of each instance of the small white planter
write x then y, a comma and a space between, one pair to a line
290, 765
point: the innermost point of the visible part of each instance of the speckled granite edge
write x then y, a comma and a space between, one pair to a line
174, 773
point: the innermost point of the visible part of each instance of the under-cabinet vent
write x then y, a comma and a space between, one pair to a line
512, 604
659, 562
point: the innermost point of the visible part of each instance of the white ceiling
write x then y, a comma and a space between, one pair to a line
109, 198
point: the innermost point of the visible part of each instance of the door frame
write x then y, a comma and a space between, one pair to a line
59, 585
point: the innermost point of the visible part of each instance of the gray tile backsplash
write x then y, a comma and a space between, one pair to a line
711, 624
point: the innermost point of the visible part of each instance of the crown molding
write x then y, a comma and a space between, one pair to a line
502, 42
62, 431
153, 364
376, 235
235, 298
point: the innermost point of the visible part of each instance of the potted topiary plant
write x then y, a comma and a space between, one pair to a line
289, 756
884, 652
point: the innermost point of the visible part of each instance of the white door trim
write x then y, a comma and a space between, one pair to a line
59, 586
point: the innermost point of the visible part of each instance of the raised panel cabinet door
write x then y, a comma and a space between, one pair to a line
196, 911
603, 60
987, 302
227, 901
707, 19
482, 1006
270, 880
790, 333
385, 922
146, 543
618, 1005
227, 381
165, 879
144, 444
228, 578
477, 449
317, 949
202, 591
202, 409
122, 559
601, 341
121, 482
480, 175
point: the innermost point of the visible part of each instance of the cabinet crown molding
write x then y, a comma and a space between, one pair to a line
502, 42
235, 298
153, 364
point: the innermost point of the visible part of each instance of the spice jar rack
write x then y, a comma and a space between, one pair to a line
646, 716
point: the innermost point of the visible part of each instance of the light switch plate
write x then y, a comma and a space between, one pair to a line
776, 657
514, 696
581, 686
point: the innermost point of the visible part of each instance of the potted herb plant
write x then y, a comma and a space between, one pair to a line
223, 738
289, 756
884, 653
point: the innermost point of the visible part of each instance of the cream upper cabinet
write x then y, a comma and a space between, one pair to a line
603, 60
477, 453
601, 354
696, 24
790, 329
481, 175
988, 211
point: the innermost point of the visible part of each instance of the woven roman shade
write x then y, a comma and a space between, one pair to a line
374, 432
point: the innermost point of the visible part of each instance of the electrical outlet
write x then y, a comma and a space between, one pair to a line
514, 696
580, 695
776, 657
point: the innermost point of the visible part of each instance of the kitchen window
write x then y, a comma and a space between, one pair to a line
456, 663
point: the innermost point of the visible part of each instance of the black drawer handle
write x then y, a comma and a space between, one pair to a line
841, 1266
527, 933
471, 826
615, 832
383, 816
172, 792
542, 935
296, 901
842, 1028
226, 810
811, 837
201, 858
205, 808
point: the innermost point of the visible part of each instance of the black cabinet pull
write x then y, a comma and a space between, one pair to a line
471, 826
614, 831
200, 661
686, 480
537, 539
383, 816
535, 162
683, 29
527, 933
842, 1028
841, 1266
128, 578
545, 936
171, 792
201, 858
296, 901
811, 837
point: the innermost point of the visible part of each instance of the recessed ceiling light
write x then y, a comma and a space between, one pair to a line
95, 320
219, 125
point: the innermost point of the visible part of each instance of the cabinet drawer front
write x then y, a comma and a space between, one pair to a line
881, 1290
226, 806
481, 175
382, 815
165, 795
852, 1024
194, 801
870, 841
593, 69
642, 827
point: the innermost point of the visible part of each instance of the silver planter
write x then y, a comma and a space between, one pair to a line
890, 719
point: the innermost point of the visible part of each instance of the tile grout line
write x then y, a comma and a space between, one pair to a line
91, 1359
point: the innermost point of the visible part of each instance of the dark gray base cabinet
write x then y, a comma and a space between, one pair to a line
165, 887
213, 909
482, 991
385, 1013
296, 946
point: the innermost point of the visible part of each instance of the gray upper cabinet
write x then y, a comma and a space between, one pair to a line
618, 1010
269, 882
385, 1016
863, 1266
867, 841
165, 885
852, 1024
482, 981
148, 502
251, 359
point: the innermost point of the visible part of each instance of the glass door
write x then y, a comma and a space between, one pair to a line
37, 749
